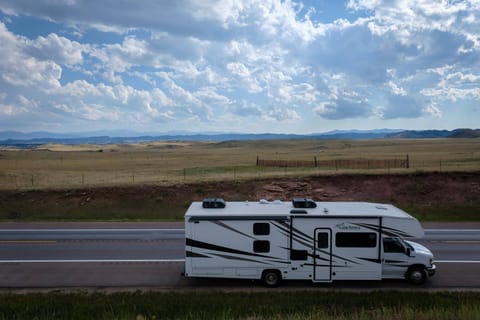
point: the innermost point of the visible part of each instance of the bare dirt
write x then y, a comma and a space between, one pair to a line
170, 202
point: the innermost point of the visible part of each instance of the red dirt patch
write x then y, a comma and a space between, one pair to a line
153, 202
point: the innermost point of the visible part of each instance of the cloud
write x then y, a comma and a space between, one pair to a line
18, 68
280, 114
401, 107
344, 108
58, 49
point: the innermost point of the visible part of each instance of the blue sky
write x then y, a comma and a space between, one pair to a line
238, 66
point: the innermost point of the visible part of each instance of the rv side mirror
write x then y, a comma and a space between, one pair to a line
408, 252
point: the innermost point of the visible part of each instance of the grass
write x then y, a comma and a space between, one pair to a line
444, 213
167, 163
242, 305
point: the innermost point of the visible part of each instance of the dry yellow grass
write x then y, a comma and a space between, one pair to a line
62, 166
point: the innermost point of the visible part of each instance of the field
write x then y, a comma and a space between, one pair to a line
159, 180
169, 163
313, 304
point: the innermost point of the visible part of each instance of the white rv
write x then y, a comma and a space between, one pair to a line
303, 239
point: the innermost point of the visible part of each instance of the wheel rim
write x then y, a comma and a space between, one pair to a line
417, 276
271, 279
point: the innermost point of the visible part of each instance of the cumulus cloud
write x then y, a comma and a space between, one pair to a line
58, 49
343, 108
401, 107
18, 68
280, 114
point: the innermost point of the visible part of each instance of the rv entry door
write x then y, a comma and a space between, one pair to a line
322, 261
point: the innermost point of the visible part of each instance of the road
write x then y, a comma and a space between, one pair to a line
151, 256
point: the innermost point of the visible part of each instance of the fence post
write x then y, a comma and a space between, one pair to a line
257, 160
83, 179
32, 180
315, 160
408, 162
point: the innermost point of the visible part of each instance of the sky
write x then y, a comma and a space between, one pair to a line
250, 66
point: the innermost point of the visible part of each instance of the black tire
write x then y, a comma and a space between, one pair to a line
271, 278
417, 276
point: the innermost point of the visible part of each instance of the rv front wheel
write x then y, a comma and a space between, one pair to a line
417, 276
271, 278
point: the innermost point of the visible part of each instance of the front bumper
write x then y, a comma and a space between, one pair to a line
431, 271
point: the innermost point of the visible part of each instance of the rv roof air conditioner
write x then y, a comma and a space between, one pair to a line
213, 203
303, 203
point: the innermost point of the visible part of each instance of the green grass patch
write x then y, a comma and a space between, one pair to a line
242, 305
444, 213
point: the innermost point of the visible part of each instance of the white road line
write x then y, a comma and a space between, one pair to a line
176, 229
457, 261
156, 260
90, 260
86, 230
452, 230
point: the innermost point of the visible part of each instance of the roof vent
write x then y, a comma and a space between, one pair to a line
296, 211
303, 203
213, 203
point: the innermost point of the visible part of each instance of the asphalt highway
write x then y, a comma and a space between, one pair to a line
136, 255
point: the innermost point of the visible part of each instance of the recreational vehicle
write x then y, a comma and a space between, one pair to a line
303, 239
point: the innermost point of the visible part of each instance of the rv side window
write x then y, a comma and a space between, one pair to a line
261, 229
356, 240
299, 255
261, 246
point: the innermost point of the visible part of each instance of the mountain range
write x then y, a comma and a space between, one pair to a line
14, 138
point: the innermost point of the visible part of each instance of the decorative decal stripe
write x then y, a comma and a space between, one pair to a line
280, 261
238, 258
209, 246
385, 230
369, 260
190, 254
300, 234
344, 259
221, 224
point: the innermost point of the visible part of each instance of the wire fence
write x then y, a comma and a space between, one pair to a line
338, 163
16, 178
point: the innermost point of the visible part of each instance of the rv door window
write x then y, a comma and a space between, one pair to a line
356, 240
393, 245
322, 240
261, 246
261, 229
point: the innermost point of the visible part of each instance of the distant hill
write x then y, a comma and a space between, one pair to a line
423, 134
465, 133
29, 140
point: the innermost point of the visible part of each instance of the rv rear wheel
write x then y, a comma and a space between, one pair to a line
417, 276
271, 278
